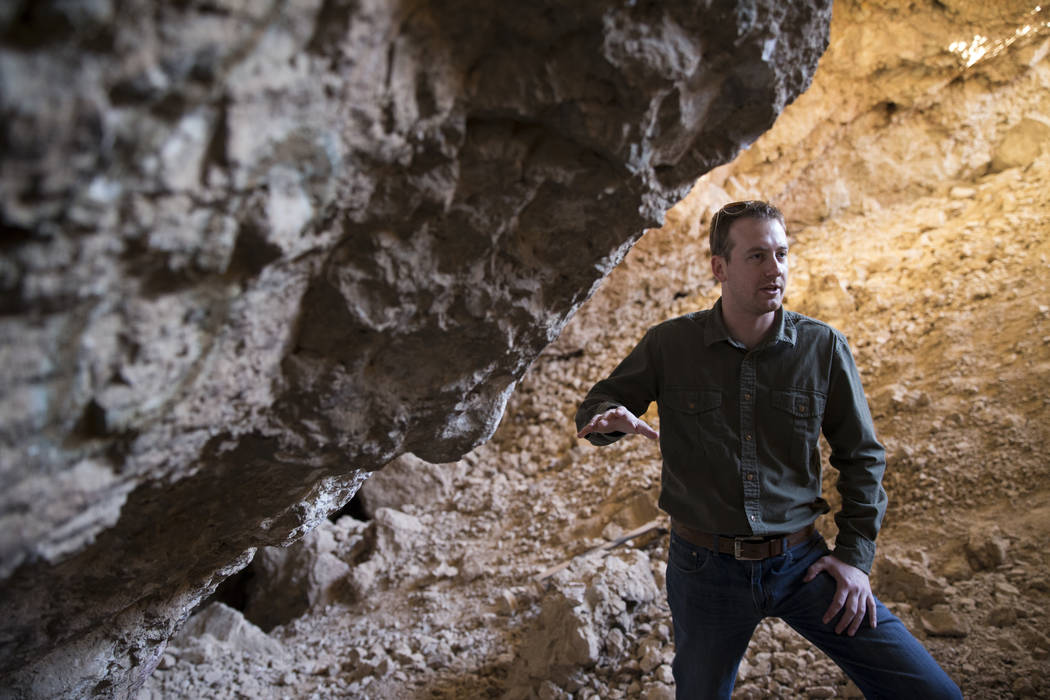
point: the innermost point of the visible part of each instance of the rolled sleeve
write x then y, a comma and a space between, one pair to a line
633, 385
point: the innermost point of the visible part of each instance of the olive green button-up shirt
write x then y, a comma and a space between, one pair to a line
739, 428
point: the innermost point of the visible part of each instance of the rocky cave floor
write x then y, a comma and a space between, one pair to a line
945, 300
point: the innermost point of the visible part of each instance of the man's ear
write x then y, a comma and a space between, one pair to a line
718, 267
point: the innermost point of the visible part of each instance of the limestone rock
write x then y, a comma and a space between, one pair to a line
405, 480
227, 626
909, 581
986, 550
943, 622
1022, 143
573, 626
288, 581
253, 251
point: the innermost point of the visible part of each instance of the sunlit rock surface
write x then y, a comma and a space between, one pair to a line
254, 250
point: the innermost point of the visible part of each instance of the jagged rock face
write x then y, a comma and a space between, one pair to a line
254, 251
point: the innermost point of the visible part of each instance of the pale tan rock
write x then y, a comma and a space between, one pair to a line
986, 551
1022, 143
228, 627
909, 581
943, 622
405, 480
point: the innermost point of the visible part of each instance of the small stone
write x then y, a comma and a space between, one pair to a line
506, 603
943, 623
1002, 616
1024, 688
1007, 589
851, 690
749, 691
651, 652
762, 664
821, 691
549, 691
615, 643
658, 691
1010, 645
664, 674
986, 551
167, 662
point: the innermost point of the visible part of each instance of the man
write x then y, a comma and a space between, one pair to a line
744, 390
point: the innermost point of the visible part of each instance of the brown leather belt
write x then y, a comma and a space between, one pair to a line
745, 548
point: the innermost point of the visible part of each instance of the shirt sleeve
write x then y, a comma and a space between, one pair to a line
859, 458
633, 385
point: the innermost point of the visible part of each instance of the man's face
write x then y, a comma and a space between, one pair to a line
755, 276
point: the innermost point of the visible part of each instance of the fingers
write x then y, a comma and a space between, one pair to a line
852, 598
812, 571
618, 420
645, 430
854, 604
837, 602
852, 616
598, 424
865, 606
602, 423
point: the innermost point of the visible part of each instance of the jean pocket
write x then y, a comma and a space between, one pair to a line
685, 557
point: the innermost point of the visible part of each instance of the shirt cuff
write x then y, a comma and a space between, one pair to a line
602, 439
860, 555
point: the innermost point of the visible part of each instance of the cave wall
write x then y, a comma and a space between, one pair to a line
896, 113
254, 251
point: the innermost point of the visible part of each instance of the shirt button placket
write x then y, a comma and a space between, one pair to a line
748, 448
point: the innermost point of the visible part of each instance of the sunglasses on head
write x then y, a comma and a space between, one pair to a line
734, 209
738, 208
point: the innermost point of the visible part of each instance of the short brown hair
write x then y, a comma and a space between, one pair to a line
724, 218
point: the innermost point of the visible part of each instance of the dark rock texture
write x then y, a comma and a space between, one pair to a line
252, 251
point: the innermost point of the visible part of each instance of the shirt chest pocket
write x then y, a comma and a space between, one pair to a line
691, 422
798, 416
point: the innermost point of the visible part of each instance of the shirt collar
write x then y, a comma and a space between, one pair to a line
783, 327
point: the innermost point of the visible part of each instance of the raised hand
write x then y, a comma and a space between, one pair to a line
618, 420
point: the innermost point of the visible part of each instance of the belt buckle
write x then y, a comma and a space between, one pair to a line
740, 541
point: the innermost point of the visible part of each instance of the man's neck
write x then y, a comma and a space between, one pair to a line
746, 328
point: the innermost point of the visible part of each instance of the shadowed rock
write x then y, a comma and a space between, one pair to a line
254, 251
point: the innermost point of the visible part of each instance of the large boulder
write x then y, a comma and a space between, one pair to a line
252, 251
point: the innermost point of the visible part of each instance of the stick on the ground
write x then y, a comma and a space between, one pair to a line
604, 547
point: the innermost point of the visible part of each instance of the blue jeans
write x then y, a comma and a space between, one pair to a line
717, 602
